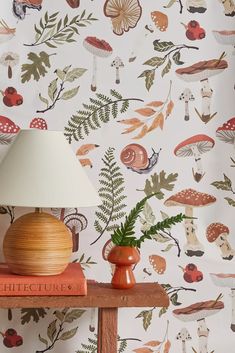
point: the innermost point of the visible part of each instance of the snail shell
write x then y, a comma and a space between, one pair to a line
134, 156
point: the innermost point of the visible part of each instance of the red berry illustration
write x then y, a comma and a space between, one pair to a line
188, 277
10, 332
193, 24
7, 341
194, 31
190, 35
17, 99
10, 90
191, 267
201, 34
199, 276
17, 340
7, 100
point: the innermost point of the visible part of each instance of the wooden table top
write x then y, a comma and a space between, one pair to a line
100, 295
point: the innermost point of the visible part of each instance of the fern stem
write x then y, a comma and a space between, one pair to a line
111, 212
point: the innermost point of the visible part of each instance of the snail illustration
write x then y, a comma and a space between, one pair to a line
19, 7
135, 157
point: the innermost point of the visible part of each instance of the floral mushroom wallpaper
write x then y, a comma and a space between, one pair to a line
144, 93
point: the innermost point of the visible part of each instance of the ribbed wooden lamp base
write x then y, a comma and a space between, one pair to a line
37, 244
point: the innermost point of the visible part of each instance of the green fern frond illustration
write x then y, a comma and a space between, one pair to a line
91, 346
98, 111
111, 193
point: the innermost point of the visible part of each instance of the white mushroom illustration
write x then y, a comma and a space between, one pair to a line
202, 71
117, 63
218, 233
229, 7
97, 47
76, 222
9, 60
226, 132
183, 336
187, 97
189, 199
198, 312
225, 37
195, 146
226, 280
196, 6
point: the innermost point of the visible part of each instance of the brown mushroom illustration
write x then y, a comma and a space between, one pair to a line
196, 6
8, 130
226, 280
195, 146
187, 97
76, 222
124, 14
9, 60
229, 7
202, 71
218, 233
97, 47
198, 312
117, 63
226, 132
183, 336
190, 198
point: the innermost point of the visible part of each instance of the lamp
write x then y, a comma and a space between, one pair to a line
40, 170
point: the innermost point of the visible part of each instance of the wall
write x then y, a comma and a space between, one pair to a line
161, 103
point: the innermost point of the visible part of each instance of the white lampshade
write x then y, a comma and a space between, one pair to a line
41, 170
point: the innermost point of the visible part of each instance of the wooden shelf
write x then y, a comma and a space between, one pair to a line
100, 295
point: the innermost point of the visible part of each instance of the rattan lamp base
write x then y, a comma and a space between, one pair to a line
37, 244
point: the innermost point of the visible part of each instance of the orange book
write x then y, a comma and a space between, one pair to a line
71, 282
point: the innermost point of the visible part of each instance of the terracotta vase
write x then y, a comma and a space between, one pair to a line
124, 257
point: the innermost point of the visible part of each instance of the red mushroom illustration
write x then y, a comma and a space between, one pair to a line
20, 6
226, 132
218, 233
226, 280
38, 123
202, 71
100, 48
8, 130
198, 312
190, 199
195, 146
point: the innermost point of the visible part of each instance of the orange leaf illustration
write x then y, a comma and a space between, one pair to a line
84, 149
142, 133
156, 122
160, 20
143, 350
153, 343
158, 263
169, 108
145, 111
155, 104
85, 162
167, 346
161, 123
131, 121
132, 128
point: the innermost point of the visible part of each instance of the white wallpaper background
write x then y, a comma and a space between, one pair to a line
218, 163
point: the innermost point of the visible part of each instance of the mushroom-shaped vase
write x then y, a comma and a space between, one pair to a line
124, 257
